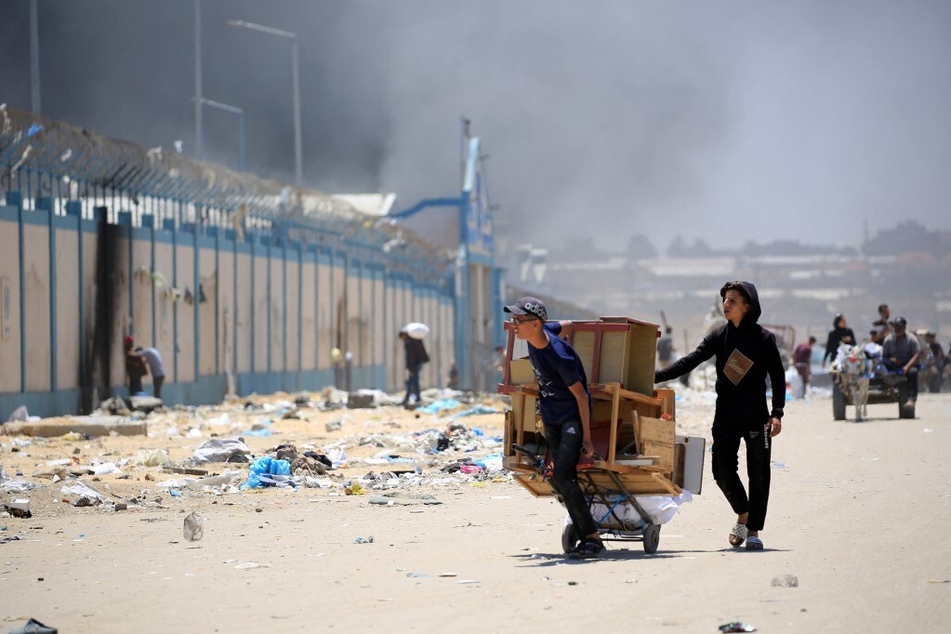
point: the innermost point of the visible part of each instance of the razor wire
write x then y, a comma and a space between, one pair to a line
56, 160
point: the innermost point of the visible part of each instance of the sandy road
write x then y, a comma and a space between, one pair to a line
859, 515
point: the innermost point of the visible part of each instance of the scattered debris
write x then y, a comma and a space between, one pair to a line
785, 581
194, 527
737, 626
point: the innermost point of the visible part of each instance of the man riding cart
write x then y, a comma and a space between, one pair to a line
877, 374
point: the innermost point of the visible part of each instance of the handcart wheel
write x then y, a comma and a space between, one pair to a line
651, 538
569, 539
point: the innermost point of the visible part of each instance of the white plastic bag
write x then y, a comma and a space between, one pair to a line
416, 330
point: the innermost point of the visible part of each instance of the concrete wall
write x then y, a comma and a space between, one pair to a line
253, 315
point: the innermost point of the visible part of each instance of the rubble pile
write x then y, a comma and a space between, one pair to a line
327, 440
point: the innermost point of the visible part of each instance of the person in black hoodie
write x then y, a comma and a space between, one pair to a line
838, 335
746, 353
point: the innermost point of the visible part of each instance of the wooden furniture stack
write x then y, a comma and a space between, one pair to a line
633, 425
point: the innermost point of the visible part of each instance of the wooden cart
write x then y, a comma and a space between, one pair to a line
633, 430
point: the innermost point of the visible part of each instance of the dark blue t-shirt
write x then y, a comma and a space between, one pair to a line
557, 366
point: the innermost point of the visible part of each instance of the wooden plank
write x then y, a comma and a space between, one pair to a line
535, 484
641, 398
613, 357
512, 463
632, 483
612, 439
667, 397
520, 429
583, 341
641, 469
521, 372
507, 435
658, 437
672, 488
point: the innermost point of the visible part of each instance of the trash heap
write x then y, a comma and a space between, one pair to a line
347, 444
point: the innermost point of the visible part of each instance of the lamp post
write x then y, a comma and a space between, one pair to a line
34, 57
199, 120
295, 79
211, 103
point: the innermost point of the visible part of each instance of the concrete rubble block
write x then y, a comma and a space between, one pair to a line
361, 401
86, 425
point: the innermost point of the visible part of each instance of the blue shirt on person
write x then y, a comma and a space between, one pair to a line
557, 366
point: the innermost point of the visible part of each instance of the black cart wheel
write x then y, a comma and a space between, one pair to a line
569, 538
651, 538
838, 403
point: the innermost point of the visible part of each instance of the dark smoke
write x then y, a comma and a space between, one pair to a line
728, 122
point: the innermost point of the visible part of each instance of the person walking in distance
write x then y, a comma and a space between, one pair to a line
565, 407
665, 348
416, 356
802, 360
745, 353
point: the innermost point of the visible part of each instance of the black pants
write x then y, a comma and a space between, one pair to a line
564, 442
911, 377
412, 383
726, 447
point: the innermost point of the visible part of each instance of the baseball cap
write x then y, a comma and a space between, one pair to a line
900, 321
529, 306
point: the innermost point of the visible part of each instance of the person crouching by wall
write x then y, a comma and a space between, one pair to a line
135, 367
156, 368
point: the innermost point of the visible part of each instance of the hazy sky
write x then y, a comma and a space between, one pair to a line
727, 121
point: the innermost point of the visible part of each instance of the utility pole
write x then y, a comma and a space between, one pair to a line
35, 56
199, 114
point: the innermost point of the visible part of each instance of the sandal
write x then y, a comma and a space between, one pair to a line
738, 535
587, 549
754, 543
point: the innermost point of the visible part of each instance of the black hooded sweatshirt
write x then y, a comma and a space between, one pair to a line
753, 355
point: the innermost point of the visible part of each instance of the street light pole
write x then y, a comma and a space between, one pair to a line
211, 103
35, 56
298, 150
199, 115
295, 80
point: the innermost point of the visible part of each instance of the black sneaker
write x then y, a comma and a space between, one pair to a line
587, 549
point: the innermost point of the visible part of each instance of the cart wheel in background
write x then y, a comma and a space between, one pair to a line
651, 538
838, 403
569, 539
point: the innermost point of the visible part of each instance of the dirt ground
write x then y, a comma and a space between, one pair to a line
856, 539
